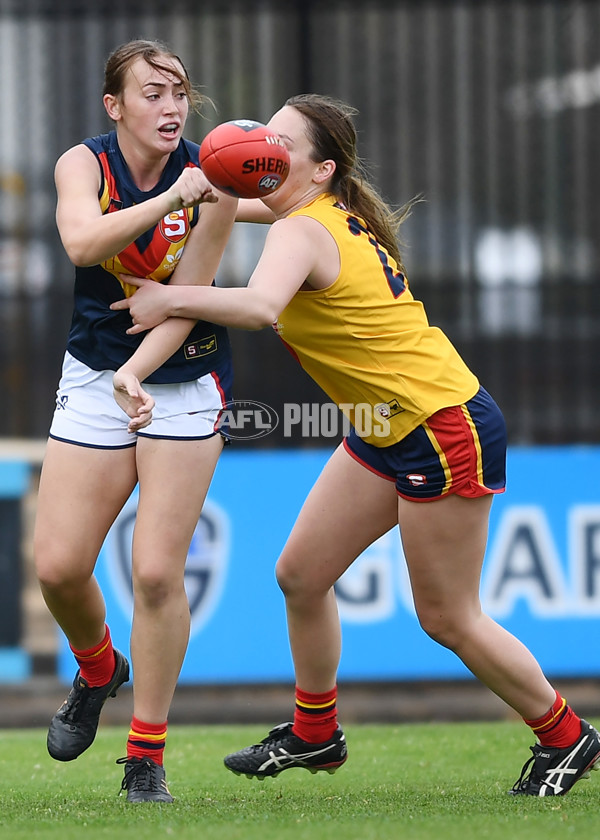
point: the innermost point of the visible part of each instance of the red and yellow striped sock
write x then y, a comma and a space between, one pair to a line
147, 740
315, 717
559, 727
96, 664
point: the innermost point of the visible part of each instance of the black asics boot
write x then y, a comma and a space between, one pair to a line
552, 771
73, 728
281, 749
144, 780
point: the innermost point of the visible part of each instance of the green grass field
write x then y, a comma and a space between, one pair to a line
407, 781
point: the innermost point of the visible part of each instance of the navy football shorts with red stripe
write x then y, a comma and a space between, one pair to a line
459, 450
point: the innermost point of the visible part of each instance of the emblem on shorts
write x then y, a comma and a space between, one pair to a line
203, 347
416, 479
389, 408
61, 402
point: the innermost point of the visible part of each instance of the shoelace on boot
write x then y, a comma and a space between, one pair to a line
76, 702
524, 780
273, 737
141, 774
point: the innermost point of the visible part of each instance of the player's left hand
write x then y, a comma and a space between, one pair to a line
131, 397
148, 306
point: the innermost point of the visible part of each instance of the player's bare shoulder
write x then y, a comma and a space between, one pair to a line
308, 228
75, 163
310, 245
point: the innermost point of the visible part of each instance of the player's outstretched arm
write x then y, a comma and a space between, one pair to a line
291, 254
88, 236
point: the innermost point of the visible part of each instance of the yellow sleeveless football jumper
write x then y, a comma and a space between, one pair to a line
367, 342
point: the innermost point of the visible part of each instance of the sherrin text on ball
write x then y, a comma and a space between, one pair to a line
244, 158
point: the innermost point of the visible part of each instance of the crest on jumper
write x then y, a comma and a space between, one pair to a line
175, 225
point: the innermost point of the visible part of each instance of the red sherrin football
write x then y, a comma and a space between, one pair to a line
244, 158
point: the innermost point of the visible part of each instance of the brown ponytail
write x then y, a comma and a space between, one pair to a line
333, 137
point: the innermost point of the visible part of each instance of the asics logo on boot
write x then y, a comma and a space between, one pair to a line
554, 777
286, 759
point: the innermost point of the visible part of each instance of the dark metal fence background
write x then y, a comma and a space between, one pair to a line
490, 110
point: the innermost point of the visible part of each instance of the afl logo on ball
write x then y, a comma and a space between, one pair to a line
269, 183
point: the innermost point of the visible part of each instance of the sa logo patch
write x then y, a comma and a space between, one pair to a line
205, 568
174, 226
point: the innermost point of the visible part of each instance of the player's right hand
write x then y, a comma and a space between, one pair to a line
191, 188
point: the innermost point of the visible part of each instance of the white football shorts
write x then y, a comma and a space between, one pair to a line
87, 414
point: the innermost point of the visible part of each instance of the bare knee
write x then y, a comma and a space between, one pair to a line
154, 588
286, 577
447, 628
61, 581
56, 572
294, 581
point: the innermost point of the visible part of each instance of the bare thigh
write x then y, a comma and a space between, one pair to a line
80, 494
444, 545
174, 477
348, 508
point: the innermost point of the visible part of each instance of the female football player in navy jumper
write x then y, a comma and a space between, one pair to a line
131, 201
428, 455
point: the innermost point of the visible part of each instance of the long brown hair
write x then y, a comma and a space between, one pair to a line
158, 55
332, 134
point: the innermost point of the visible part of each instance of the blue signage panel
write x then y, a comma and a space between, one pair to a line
541, 577
14, 479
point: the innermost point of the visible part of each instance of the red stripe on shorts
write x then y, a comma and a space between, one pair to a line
452, 437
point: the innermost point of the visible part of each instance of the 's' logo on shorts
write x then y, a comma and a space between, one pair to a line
203, 347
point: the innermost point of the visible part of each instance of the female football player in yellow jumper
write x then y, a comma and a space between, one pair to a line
429, 458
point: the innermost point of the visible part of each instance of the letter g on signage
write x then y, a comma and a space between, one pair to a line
205, 568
